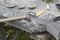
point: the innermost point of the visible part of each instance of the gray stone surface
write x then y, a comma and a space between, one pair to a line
41, 23
40, 36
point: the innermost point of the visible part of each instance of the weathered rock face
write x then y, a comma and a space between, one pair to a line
36, 24
29, 26
41, 23
57, 2
16, 7
10, 3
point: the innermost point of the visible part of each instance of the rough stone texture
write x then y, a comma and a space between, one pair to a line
41, 36
36, 24
7, 12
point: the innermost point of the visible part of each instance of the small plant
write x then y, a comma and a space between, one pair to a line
48, 1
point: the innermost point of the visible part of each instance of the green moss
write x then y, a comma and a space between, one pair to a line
21, 35
48, 1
